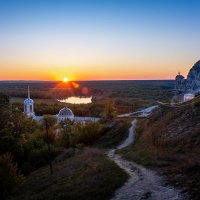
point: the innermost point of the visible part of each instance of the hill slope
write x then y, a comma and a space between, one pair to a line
170, 141
87, 175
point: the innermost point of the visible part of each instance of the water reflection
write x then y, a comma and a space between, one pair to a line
77, 100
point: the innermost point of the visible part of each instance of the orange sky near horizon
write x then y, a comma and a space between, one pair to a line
114, 71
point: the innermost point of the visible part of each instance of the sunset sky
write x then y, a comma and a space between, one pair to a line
98, 39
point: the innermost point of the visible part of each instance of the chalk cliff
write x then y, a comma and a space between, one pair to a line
192, 83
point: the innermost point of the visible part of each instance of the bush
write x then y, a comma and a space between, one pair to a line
39, 157
85, 133
26, 168
9, 173
196, 103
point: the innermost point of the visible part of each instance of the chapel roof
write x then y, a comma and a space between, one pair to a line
65, 112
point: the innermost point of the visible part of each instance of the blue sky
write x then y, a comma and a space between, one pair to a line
86, 39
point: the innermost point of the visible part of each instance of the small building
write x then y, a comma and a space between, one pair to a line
64, 113
188, 97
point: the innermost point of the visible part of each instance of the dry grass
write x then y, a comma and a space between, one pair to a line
170, 141
87, 175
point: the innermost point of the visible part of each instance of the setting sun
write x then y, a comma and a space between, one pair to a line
65, 80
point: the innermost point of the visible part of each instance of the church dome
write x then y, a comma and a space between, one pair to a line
65, 112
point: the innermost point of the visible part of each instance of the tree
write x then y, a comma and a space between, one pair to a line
109, 110
49, 122
4, 100
9, 173
4, 110
66, 130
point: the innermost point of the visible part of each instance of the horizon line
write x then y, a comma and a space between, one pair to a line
25, 80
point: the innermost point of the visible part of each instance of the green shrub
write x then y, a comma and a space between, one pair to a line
85, 133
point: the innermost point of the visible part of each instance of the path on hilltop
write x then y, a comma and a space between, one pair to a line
143, 183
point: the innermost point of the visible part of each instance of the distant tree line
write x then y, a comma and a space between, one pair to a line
141, 90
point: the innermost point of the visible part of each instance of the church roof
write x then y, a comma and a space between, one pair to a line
28, 101
65, 112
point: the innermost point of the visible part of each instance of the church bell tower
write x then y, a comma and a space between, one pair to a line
29, 106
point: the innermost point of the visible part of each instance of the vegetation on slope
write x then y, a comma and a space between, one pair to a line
170, 141
114, 135
88, 175
26, 147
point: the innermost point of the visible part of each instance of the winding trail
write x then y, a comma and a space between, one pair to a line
143, 183
141, 113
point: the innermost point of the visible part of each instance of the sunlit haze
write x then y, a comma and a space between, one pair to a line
65, 79
98, 39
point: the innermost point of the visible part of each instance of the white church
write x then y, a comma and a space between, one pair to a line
64, 113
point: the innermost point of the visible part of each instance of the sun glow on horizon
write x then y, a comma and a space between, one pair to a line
65, 79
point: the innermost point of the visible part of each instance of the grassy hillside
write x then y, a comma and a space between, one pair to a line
114, 135
88, 175
170, 141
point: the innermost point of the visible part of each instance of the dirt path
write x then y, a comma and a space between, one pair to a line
143, 183
141, 113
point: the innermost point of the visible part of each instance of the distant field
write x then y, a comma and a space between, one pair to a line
145, 90
127, 95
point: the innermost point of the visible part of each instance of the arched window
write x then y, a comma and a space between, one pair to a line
31, 108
